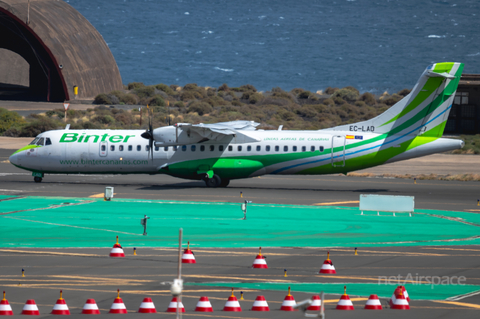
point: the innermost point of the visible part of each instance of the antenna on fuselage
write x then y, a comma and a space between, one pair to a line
67, 127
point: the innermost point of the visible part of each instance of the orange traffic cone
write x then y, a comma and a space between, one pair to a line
232, 304
30, 308
204, 305
316, 303
188, 257
373, 303
118, 306
345, 303
172, 307
60, 307
260, 304
5, 308
117, 250
147, 306
327, 267
400, 301
288, 302
90, 308
259, 261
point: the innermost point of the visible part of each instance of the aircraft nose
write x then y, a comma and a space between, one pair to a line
13, 159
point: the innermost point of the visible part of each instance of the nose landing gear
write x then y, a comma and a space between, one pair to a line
37, 179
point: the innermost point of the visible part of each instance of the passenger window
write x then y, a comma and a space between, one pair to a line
312, 148
230, 148
147, 148
202, 148
193, 147
294, 148
175, 148
165, 148
267, 148
120, 148
304, 148
212, 148
321, 148
184, 148
220, 148
157, 148
40, 142
112, 147
259, 148
34, 141
139, 147
285, 148
239, 148
130, 147
47, 141
103, 148
249, 148
277, 148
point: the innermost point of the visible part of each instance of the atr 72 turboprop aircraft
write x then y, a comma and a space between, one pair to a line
218, 153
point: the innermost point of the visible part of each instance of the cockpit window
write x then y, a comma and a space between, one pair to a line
34, 141
40, 141
47, 141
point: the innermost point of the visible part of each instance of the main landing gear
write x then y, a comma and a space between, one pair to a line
216, 181
37, 179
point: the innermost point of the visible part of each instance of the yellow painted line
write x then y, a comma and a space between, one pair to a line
232, 278
473, 210
47, 253
359, 251
464, 304
101, 195
451, 249
337, 203
352, 299
64, 225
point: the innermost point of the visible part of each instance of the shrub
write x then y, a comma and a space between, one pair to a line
124, 118
165, 88
224, 87
304, 94
190, 87
156, 100
104, 119
236, 103
392, 99
346, 94
368, 98
199, 107
145, 91
307, 111
38, 126
297, 91
135, 85
245, 88
187, 95
129, 99
255, 98
404, 92
179, 104
330, 90
102, 99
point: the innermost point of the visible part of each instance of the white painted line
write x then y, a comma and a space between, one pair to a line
460, 297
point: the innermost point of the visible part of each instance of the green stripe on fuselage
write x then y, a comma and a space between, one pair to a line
26, 148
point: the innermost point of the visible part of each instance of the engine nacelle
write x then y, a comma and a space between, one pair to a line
174, 135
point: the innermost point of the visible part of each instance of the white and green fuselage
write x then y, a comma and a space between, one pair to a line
220, 152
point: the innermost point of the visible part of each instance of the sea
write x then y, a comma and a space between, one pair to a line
372, 45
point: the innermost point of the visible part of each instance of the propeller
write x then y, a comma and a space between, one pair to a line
148, 134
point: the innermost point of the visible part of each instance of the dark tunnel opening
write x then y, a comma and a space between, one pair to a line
42, 81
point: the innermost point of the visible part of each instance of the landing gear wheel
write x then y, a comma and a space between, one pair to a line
37, 179
224, 182
215, 181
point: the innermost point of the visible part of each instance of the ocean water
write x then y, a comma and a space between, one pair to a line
312, 44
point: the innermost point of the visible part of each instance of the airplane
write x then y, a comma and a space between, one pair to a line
220, 152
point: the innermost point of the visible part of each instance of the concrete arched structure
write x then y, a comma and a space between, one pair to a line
62, 50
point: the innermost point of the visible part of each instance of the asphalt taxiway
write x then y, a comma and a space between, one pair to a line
89, 273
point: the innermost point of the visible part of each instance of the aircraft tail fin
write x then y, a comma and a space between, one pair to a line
422, 112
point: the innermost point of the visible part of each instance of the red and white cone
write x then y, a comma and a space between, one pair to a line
147, 306
172, 307
288, 302
118, 306
327, 267
316, 303
5, 308
400, 302
90, 308
405, 293
117, 250
204, 305
345, 303
60, 307
260, 304
232, 304
259, 261
188, 257
373, 303
395, 293
30, 308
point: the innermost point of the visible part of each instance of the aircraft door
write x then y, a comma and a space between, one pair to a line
338, 151
103, 149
